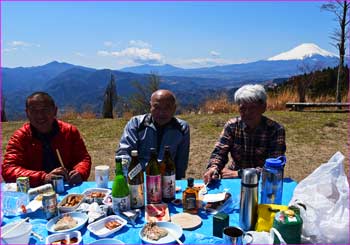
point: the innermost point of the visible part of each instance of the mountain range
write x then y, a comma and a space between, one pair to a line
80, 87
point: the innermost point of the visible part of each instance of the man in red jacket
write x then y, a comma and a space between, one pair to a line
33, 149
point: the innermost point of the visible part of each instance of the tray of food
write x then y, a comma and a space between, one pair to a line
96, 195
160, 233
70, 202
73, 237
107, 226
67, 222
157, 212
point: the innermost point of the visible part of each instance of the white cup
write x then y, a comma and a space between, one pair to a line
102, 176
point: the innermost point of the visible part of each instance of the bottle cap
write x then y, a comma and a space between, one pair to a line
118, 158
190, 182
275, 162
153, 150
134, 153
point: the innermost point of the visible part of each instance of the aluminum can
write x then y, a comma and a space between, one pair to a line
58, 184
33, 192
22, 184
49, 205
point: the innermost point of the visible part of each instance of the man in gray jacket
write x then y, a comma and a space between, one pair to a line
157, 130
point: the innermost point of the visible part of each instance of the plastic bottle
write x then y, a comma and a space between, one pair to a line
272, 180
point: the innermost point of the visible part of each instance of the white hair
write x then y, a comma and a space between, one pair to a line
250, 93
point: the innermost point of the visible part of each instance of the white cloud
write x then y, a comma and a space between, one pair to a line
139, 44
214, 53
7, 50
79, 54
22, 44
108, 43
137, 55
201, 62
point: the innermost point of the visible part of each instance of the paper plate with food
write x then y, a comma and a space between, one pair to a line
160, 233
107, 226
67, 222
157, 212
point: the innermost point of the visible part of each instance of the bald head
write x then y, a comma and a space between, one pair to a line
163, 106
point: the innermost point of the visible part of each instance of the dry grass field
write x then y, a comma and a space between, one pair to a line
312, 138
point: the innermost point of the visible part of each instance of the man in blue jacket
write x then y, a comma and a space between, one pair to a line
157, 130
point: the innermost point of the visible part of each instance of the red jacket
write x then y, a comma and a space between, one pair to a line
24, 154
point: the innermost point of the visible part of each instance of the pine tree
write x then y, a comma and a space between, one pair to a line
109, 98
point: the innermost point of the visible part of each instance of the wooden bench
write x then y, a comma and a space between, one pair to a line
299, 106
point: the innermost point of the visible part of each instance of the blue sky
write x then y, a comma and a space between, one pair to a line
186, 34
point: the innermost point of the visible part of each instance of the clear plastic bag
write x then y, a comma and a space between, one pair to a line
323, 200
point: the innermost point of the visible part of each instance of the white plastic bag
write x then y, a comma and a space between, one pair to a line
263, 237
325, 195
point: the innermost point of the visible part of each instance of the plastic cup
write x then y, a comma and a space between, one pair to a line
102, 176
19, 235
12, 202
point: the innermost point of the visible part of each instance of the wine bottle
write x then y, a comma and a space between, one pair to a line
120, 189
168, 176
136, 180
190, 198
153, 179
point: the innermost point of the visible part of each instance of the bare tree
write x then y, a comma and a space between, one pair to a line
109, 98
140, 100
303, 82
340, 10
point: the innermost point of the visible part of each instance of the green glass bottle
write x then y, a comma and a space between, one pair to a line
135, 181
168, 176
120, 189
153, 179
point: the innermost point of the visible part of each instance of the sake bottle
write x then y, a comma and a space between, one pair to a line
135, 181
153, 179
190, 198
168, 176
120, 189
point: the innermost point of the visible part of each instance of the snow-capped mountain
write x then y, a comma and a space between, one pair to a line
303, 51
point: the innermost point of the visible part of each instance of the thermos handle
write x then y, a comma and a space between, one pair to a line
283, 159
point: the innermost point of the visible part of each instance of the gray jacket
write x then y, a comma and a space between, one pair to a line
141, 134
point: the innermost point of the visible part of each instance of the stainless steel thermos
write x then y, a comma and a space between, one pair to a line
249, 199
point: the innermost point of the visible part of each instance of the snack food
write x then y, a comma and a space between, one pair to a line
153, 232
157, 212
215, 206
64, 241
112, 224
96, 194
65, 223
72, 200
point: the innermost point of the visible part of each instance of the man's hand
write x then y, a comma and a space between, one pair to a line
212, 173
227, 174
56, 172
75, 177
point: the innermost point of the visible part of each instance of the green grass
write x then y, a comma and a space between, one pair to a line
312, 138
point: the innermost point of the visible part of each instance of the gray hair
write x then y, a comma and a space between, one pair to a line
251, 93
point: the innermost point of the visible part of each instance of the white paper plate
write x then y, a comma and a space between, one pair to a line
80, 217
170, 227
99, 229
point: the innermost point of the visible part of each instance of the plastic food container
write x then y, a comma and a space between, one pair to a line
96, 195
64, 236
19, 235
68, 198
99, 228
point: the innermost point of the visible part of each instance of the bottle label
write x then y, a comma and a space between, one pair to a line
133, 172
137, 199
154, 191
120, 204
190, 201
168, 186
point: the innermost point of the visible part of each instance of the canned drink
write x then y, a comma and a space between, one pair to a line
22, 184
58, 184
49, 205
33, 192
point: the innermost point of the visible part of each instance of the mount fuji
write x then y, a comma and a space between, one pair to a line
282, 65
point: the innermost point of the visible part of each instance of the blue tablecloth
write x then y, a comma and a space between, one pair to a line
129, 233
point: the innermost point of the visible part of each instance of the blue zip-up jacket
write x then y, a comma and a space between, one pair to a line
141, 134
